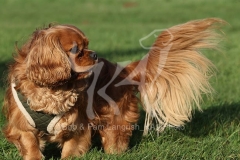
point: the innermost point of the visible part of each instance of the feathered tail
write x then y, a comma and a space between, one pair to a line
176, 74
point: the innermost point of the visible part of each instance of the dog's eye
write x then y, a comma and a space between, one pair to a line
81, 54
74, 49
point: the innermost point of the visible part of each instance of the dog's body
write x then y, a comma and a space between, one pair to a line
57, 74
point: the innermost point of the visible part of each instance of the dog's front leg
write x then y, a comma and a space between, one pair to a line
26, 142
31, 145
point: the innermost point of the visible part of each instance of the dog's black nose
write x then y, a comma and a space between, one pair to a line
94, 55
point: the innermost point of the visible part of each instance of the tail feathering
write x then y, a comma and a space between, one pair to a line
177, 74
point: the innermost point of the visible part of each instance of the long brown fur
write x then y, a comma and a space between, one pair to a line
171, 80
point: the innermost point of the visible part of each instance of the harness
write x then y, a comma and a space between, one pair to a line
41, 121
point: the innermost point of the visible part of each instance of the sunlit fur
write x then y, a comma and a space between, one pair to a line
170, 79
177, 74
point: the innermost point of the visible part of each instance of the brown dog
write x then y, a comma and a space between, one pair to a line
57, 80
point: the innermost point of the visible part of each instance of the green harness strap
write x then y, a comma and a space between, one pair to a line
41, 119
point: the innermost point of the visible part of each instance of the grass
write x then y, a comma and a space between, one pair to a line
114, 29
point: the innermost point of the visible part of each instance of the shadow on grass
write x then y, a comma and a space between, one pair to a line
210, 121
213, 120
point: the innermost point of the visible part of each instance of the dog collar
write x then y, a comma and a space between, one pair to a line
41, 121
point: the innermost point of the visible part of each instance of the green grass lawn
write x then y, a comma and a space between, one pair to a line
114, 29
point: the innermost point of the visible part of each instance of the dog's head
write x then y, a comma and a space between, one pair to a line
55, 53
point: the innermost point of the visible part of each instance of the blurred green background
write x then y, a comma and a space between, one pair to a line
114, 29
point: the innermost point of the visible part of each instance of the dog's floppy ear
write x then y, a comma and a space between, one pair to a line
47, 64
